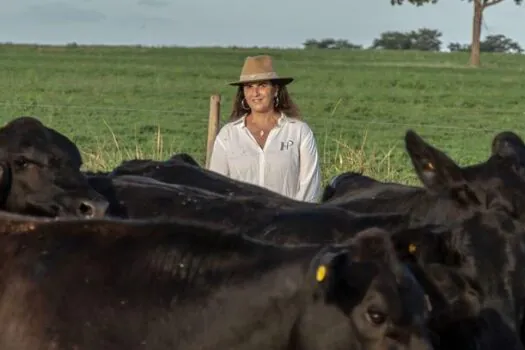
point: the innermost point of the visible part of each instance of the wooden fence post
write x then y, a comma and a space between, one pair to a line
213, 125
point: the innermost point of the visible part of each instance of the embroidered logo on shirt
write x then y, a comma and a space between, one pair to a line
286, 145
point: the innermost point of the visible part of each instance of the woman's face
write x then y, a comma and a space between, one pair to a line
260, 96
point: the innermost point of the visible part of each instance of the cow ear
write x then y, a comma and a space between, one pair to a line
510, 146
428, 244
408, 243
341, 281
507, 144
373, 244
433, 167
184, 158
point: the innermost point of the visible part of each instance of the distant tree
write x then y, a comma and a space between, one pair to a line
344, 44
457, 47
477, 20
392, 40
492, 43
500, 43
311, 44
326, 43
423, 39
330, 43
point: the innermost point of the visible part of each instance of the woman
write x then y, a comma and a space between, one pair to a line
266, 143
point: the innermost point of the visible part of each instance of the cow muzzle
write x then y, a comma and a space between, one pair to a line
92, 208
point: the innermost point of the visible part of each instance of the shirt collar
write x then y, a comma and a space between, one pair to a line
283, 119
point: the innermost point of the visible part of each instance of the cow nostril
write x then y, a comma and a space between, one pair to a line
91, 209
86, 209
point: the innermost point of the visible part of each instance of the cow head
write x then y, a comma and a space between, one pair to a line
493, 185
509, 145
40, 173
461, 270
384, 306
437, 258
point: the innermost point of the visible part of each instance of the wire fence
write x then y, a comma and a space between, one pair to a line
108, 135
200, 113
338, 58
132, 102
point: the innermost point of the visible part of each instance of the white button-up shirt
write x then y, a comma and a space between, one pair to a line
288, 164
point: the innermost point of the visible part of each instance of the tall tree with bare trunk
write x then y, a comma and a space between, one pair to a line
477, 19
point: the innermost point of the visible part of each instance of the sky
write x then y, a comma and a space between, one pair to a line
272, 23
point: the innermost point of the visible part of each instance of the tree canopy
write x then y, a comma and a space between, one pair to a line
485, 3
423, 39
479, 7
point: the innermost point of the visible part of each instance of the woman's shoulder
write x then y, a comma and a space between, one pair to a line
300, 125
228, 129
232, 124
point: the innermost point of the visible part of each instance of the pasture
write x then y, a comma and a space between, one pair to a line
119, 103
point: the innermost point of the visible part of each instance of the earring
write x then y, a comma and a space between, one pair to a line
276, 101
243, 105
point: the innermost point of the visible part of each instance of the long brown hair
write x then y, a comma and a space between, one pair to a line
286, 104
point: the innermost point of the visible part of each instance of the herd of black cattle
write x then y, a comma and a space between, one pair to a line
168, 255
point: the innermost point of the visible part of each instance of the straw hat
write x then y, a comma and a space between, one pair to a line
259, 68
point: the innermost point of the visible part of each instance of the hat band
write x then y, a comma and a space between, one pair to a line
259, 76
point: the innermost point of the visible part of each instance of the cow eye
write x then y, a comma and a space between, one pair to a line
376, 317
21, 163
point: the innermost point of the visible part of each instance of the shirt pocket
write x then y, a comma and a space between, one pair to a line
284, 162
243, 165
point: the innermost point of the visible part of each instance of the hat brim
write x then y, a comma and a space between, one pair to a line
282, 81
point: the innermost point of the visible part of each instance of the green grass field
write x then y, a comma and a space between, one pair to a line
126, 102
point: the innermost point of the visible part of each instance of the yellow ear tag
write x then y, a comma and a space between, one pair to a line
412, 248
429, 166
321, 273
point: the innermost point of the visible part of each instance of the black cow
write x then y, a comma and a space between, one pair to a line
180, 170
143, 167
352, 186
101, 284
317, 225
444, 198
479, 267
450, 193
509, 145
462, 315
142, 198
40, 173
